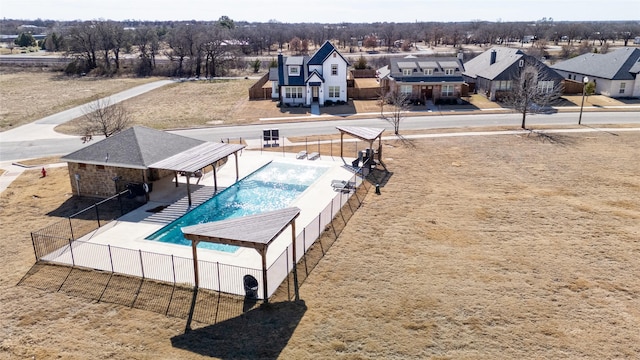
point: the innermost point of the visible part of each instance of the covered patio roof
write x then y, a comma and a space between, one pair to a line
252, 231
197, 158
363, 133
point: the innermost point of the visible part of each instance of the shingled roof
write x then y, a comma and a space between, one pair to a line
481, 65
323, 53
622, 64
136, 148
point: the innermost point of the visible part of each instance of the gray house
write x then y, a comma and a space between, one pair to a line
492, 72
616, 74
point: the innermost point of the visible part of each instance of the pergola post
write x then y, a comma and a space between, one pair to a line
265, 291
235, 155
341, 142
215, 179
196, 276
188, 190
175, 173
295, 263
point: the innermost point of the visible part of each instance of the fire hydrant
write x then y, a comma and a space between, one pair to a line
44, 172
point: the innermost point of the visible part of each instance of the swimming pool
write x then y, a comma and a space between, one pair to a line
272, 187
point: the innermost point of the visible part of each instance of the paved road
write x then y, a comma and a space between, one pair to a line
411, 123
46, 142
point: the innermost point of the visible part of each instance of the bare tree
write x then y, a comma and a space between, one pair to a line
399, 106
105, 118
533, 90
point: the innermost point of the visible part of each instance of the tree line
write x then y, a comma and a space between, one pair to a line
212, 48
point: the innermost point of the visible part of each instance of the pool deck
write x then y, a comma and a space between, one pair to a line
130, 230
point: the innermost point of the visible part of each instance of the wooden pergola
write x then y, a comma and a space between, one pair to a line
252, 231
367, 134
197, 158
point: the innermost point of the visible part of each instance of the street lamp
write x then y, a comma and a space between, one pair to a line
585, 80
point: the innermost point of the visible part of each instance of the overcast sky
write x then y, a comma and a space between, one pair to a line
323, 11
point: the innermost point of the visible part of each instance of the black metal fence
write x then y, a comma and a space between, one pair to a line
59, 244
75, 226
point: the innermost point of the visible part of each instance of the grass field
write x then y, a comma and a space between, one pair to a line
485, 247
26, 96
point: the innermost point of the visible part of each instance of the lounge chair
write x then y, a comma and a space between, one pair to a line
342, 185
313, 156
301, 155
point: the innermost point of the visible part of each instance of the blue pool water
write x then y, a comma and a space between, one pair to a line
272, 187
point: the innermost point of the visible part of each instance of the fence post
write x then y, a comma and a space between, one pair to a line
110, 257
35, 252
141, 263
97, 214
173, 270
120, 203
73, 261
218, 271
71, 228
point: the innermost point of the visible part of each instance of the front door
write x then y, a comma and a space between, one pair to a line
314, 93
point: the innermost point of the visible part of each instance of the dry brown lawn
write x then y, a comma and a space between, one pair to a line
485, 247
26, 96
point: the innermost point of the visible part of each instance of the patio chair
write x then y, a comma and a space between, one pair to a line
313, 156
342, 185
301, 155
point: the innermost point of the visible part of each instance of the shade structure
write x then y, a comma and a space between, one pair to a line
197, 158
252, 231
363, 133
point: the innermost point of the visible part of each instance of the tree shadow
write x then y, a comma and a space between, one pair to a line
552, 138
260, 333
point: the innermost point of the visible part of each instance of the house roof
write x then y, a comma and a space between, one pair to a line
294, 60
316, 74
136, 147
481, 66
273, 74
323, 53
622, 64
419, 64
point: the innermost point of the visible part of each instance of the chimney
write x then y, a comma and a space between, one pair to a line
493, 57
280, 69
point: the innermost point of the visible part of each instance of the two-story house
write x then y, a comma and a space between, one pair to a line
303, 80
424, 79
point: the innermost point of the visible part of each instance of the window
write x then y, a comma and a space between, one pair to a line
447, 90
334, 91
406, 72
622, 88
448, 71
294, 70
428, 71
406, 89
293, 92
503, 85
334, 69
545, 87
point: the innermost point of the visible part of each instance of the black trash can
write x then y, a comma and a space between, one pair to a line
250, 286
